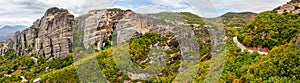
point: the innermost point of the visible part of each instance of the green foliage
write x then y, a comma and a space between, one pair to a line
282, 64
24, 66
232, 19
236, 63
184, 17
170, 16
192, 19
139, 47
274, 28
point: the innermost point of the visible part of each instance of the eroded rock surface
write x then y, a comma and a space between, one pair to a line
5, 47
50, 36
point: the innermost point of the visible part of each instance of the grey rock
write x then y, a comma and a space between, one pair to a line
47, 69
49, 60
35, 60
52, 35
23, 79
4, 48
38, 80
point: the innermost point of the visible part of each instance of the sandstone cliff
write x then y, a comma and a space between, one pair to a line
99, 26
49, 37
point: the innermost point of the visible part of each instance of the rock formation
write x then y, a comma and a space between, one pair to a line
5, 47
100, 25
50, 36
291, 7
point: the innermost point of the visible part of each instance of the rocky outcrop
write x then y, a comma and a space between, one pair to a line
291, 7
5, 47
99, 26
38, 80
23, 79
50, 36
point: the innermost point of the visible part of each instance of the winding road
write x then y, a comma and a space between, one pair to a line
235, 40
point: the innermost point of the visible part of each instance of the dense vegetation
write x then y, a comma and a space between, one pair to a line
280, 65
270, 29
232, 19
192, 19
185, 17
24, 66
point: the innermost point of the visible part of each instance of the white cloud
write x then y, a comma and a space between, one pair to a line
25, 12
170, 3
248, 5
150, 9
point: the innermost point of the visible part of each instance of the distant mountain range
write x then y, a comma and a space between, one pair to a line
7, 32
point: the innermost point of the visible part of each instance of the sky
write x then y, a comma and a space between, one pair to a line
25, 12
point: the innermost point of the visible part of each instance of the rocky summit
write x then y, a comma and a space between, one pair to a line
51, 37
48, 37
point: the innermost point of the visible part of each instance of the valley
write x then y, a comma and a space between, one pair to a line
121, 46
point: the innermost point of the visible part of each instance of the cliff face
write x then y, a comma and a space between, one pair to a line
48, 37
99, 25
52, 35
291, 7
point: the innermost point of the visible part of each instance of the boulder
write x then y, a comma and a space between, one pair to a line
38, 80
47, 69
23, 79
35, 60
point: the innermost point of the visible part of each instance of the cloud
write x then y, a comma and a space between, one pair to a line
96, 4
25, 12
150, 9
170, 3
247, 5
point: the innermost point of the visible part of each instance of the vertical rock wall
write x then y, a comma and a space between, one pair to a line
51, 36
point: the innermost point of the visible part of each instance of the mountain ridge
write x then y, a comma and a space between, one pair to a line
7, 31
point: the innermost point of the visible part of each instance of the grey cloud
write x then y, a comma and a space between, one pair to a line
31, 4
96, 4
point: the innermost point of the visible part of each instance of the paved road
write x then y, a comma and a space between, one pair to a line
235, 40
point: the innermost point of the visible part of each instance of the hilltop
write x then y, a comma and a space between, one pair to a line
232, 19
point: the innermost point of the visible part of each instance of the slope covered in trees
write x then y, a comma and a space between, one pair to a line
270, 29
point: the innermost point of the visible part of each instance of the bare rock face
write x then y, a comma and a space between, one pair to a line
289, 8
100, 25
50, 36
4, 47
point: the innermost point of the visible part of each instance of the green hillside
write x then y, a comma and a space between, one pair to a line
270, 29
233, 19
